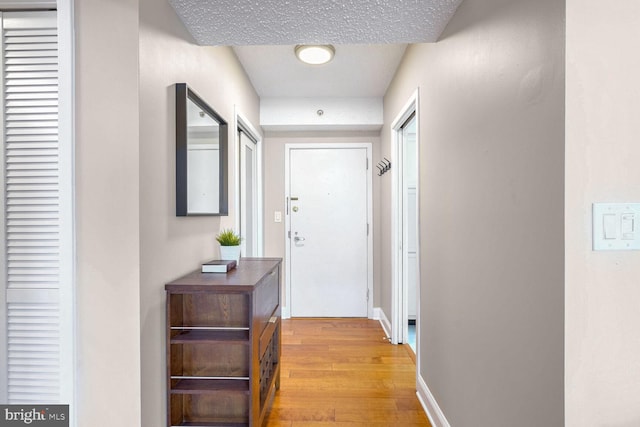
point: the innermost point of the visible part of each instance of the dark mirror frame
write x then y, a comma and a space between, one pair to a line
183, 94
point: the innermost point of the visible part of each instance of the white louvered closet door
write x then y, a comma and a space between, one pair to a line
34, 352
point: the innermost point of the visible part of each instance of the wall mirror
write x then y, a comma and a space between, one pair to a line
201, 156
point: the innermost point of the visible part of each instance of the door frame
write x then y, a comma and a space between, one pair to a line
286, 309
399, 302
241, 122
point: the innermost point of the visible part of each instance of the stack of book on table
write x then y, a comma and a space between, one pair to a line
218, 266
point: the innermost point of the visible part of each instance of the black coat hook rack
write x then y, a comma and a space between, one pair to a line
383, 166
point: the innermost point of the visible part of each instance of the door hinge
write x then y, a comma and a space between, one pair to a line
367, 229
289, 234
367, 163
367, 294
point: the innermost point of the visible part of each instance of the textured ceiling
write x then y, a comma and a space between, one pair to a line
370, 37
283, 22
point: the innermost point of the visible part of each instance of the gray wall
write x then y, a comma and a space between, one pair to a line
107, 213
129, 53
492, 221
172, 246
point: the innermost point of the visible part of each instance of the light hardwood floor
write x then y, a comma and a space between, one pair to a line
342, 372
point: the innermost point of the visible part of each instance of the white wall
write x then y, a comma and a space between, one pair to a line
107, 213
338, 114
492, 222
603, 148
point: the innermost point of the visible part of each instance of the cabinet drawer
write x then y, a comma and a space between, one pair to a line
267, 299
267, 334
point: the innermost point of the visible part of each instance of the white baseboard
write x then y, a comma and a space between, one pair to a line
286, 313
430, 406
378, 314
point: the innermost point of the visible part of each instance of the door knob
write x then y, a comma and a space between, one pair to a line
299, 239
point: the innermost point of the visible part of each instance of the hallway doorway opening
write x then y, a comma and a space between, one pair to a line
249, 195
406, 268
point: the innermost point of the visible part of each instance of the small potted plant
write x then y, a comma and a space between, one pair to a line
229, 245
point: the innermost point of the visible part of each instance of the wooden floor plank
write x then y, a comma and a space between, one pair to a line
344, 373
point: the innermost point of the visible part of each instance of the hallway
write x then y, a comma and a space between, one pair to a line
526, 111
342, 372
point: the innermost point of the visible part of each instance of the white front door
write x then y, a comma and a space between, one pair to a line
329, 244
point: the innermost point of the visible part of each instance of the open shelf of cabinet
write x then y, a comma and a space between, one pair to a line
185, 336
223, 345
205, 385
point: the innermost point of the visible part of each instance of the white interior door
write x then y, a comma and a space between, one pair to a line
409, 220
36, 257
328, 208
411, 255
248, 195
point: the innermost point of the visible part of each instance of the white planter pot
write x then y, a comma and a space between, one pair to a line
230, 253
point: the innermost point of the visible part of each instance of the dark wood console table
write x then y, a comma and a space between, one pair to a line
223, 345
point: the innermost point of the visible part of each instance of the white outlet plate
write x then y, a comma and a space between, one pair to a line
616, 226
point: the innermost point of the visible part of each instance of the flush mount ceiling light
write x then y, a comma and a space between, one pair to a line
315, 54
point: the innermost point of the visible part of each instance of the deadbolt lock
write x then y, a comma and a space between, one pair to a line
295, 209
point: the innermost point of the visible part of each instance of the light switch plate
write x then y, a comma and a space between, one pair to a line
277, 216
616, 226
